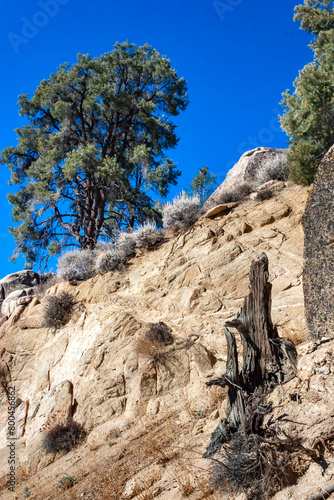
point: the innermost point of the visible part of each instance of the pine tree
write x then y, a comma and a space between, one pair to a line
93, 150
309, 112
202, 184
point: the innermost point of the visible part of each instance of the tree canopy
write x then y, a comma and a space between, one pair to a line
309, 112
94, 149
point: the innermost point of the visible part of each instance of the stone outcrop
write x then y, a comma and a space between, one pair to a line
243, 172
319, 251
93, 369
14, 287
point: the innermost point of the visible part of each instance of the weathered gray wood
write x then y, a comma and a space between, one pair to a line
267, 359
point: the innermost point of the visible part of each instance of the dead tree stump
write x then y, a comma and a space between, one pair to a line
268, 360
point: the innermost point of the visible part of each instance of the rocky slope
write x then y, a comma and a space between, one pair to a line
149, 417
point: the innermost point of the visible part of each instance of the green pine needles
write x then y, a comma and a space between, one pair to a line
93, 149
309, 112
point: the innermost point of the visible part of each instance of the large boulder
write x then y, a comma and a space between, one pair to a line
18, 281
319, 251
243, 173
14, 287
18, 297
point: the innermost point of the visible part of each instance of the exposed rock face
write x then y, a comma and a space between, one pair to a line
319, 251
92, 369
243, 172
15, 286
303, 409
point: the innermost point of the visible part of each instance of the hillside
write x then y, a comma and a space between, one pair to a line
148, 414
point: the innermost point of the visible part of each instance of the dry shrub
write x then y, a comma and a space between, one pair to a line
182, 212
77, 265
63, 436
148, 350
152, 346
160, 332
126, 245
236, 194
274, 169
259, 460
147, 236
58, 309
266, 194
4, 377
107, 261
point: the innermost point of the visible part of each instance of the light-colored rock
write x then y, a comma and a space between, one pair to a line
105, 432
18, 281
14, 299
219, 210
128, 400
243, 172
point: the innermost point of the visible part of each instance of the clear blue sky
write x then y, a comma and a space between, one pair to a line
237, 56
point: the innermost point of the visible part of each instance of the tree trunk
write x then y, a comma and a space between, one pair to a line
268, 360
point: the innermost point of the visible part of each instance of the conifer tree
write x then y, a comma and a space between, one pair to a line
202, 184
309, 112
93, 149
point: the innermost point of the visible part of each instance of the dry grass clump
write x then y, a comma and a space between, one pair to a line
58, 309
63, 436
158, 452
154, 352
152, 346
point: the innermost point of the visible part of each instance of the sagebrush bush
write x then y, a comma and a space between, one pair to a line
160, 332
274, 169
236, 194
57, 309
125, 245
63, 437
77, 265
108, 261
183, 211
147, 236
